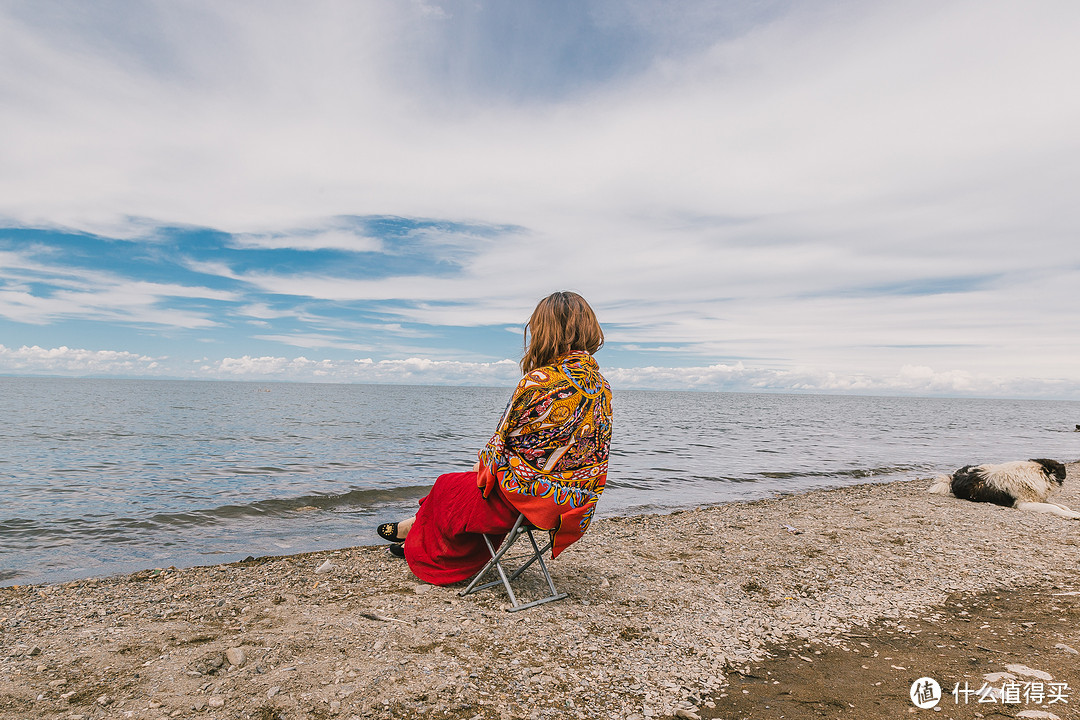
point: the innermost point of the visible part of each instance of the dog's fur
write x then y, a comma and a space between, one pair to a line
1025, 485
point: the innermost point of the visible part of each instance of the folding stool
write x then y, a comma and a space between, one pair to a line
521, 528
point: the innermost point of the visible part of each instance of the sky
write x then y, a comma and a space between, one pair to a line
814, 196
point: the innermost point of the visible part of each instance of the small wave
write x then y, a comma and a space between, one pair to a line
277, 507
17, 532
726, 478
853, 473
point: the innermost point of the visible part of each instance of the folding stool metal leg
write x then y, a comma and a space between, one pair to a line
521, 527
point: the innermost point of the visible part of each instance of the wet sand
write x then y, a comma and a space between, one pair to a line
668, 615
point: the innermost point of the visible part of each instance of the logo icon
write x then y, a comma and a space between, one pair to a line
925, 693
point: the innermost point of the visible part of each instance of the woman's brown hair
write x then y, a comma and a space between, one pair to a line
561, 323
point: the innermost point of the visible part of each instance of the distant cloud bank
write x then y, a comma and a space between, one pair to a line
76, 362
411, 371
908, 380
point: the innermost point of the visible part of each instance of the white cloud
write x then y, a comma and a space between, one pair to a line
417, 371
313, 340
219, 269
79, 293
270, 367
77, 362
320, 240
262, 311
815, 112
908, 380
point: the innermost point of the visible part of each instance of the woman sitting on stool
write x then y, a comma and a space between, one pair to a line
548, 458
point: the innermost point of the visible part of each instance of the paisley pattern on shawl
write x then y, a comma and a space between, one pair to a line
549, 455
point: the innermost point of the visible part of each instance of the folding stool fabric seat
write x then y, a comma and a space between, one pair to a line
498, 557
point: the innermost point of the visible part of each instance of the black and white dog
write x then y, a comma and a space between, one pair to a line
1025, 485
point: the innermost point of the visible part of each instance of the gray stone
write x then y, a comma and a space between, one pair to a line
236, 656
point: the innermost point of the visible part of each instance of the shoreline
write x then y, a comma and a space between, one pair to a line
663, 610
368, 538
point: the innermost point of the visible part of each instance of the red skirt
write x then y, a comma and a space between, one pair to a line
445, 544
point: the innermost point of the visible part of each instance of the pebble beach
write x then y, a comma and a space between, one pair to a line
664, 613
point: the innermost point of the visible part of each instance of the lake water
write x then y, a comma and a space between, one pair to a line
106, 476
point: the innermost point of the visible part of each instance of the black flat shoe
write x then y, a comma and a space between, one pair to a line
398, 550
388, 531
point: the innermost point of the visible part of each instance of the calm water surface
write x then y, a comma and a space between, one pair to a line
104, 476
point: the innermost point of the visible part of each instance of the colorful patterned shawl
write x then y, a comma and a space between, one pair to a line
549, 456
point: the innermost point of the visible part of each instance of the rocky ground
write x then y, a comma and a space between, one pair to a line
994, 654
825, 604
